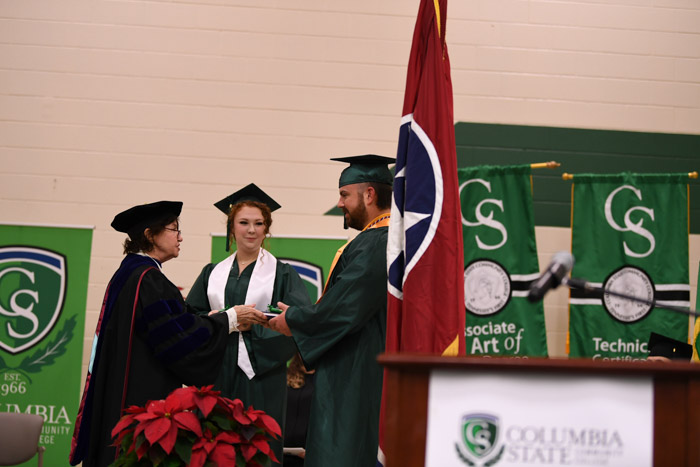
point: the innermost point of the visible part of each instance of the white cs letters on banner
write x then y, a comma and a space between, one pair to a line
487, 220
629, 225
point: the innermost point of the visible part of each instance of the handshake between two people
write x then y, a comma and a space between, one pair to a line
248, 315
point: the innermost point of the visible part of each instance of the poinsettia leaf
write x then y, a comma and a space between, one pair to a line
168, 440
272, 456
254, 463
156, 455
172, 461
269, 424
135, 409
205, 443
188, 421
261, 444
156, 407
248, 431
123, 423
198, 458
172, 404
183, 448
185, 395
221, 421
127, 440
230, 437
205, 403
248, 451
223, 454
157, 429
233, 402
147, 416
139, 429
123, 435
141, 449
241, 417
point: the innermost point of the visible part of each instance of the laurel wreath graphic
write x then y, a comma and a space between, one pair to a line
491, 461
464, 459
496, 458
48, 354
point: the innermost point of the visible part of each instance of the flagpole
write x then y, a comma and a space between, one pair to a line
568, 176
545, 165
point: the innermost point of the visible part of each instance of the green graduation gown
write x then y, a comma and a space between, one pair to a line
340, 337
269, 351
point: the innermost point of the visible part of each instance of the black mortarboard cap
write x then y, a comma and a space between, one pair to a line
366, 168
662, 346
135, 220
248, 193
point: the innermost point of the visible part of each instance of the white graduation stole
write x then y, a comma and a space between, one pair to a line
262, 281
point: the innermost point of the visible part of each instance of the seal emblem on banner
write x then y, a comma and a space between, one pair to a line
633, 281
479, 440
487, 287
32, 291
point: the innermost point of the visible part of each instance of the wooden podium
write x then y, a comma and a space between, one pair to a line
676, 388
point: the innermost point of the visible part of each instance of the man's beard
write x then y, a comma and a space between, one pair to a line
357, 218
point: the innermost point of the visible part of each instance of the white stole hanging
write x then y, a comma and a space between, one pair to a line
262, 281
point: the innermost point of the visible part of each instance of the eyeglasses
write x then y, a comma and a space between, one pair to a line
179, 232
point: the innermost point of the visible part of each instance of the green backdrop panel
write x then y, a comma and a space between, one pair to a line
43, 290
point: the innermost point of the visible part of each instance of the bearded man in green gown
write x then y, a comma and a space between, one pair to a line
341, 335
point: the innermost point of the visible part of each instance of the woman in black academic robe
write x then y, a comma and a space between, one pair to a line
146, 344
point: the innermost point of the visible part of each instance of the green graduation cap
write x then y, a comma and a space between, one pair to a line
366, 168
249, 192
672, 349
135, 220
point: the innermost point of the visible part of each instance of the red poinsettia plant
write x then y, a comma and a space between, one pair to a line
195, 427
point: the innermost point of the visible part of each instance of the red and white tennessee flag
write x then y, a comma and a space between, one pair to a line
424, 252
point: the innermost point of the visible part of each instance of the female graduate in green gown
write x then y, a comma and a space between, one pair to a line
254, 368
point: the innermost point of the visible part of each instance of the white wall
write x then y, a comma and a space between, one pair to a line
105, 104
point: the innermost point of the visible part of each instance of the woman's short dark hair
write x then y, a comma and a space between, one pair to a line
140, 242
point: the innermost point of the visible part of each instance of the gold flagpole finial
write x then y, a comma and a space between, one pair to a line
693, 175
545, 165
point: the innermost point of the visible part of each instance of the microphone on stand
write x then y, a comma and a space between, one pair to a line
561, 264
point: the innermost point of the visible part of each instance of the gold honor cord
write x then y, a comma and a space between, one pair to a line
568, 176
437, 15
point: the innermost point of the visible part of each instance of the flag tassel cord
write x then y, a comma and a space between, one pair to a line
545, 165
568, 176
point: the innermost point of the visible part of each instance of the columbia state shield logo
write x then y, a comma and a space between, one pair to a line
32, 293
479, 440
